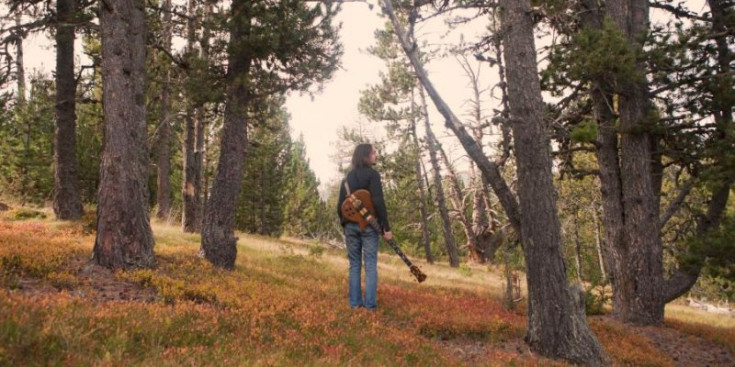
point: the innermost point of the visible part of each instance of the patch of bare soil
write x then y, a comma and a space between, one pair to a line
93, 283
685, 350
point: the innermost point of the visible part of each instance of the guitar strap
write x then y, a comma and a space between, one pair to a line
347, 187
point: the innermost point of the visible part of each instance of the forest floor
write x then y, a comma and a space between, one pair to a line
284, 304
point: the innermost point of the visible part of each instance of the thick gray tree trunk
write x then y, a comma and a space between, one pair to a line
440, 198
557, 326
639, 284
218, 236
124, 238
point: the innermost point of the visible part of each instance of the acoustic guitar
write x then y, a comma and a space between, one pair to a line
358, 208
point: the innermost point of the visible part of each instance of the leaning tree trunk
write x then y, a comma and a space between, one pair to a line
124, 238
163, 177
440, 198
557, 326
218, 238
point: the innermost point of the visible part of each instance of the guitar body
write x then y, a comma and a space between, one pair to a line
351, 213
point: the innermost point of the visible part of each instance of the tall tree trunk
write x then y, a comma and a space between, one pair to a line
557, 326
440, 199
163, 178
190, 219
608, 159
598, 244
200, 126
67, 202
20, 76
577, 248
218, 239
124, 238
191, 214
639, 284
423, 213
557, 323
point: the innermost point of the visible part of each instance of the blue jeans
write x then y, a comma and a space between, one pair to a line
362, 246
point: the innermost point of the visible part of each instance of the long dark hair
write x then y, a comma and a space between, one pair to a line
361, 155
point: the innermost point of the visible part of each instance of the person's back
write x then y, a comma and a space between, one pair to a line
365, 178
363, 244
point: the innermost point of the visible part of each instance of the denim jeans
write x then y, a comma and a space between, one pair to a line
362, 246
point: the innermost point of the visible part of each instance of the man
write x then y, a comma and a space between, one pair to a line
364, 245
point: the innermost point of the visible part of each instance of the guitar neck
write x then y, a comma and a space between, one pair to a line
371, 220
376, 226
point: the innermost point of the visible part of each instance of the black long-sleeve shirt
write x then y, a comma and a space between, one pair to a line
368, 179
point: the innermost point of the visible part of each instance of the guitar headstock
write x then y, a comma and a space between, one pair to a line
417, 273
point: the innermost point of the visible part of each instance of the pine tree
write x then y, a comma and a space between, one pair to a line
290, 47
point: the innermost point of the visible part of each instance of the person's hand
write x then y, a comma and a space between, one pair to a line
387, 236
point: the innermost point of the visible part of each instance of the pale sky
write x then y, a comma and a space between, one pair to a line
319, 119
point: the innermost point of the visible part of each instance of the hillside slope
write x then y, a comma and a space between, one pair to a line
284, 304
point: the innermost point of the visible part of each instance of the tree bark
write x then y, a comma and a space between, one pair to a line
423, 213
67, 202
639, 284
191, 213
20, 72
218, 239
608, 159
557, 326
163, 177
124, 238
20, 76
440, 198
